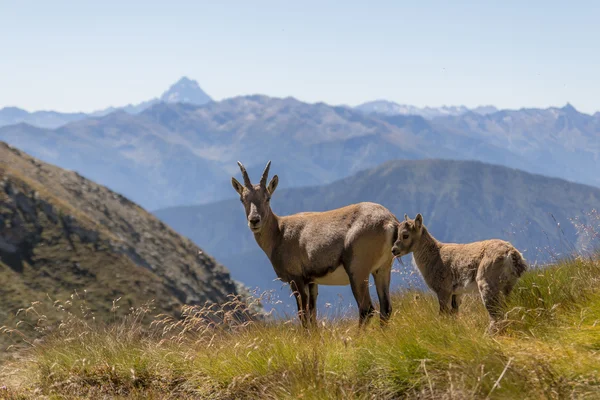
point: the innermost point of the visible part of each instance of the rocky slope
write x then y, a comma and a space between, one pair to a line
61, 233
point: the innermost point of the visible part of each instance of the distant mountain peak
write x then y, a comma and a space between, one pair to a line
569, 108
185, 80
484, 110
13, 112
13, 109
185, 90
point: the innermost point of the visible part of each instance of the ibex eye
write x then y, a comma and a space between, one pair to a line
405, 236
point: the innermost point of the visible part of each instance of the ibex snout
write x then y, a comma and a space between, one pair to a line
396, 251
254, 222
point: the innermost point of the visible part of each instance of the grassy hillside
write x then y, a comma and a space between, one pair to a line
549, 349
62, 234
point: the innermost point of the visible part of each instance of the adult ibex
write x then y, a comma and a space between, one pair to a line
337, 247
491, 267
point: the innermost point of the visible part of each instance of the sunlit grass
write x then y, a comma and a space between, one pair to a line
550, 349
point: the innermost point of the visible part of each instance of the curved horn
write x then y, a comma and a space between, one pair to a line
245, 175
265, 175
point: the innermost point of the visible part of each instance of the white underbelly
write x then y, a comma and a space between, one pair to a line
338, 277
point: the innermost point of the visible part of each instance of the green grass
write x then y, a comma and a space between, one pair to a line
550, 349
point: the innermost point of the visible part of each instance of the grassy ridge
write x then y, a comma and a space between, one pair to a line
550, 349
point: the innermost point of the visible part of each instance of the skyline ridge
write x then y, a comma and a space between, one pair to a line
186, 79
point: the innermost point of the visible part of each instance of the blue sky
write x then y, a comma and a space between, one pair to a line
87, 55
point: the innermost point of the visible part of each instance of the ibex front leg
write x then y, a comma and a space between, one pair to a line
302, 295
445, 300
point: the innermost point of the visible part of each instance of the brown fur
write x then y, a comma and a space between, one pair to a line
337, 247
491, 267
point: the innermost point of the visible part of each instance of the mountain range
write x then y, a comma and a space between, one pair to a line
61, 234
188, 91
461, 201
183, 91
177, 153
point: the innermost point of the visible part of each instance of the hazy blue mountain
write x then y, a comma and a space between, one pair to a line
485, 110
555, 141
173, 154
129, 108
389, 108
183, 91
177, 154
132, 157
461, 201
48, 119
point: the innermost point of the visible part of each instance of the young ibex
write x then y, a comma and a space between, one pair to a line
337, 247
450, 270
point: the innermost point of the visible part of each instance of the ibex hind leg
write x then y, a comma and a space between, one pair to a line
360, 289
508, 288
492, 300
491, 282
358, 266
313, 293
382, 278
511, 275
456, 301
445, 301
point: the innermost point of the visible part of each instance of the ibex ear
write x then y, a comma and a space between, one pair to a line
405, 217
419, 221
237, 186
273, 184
